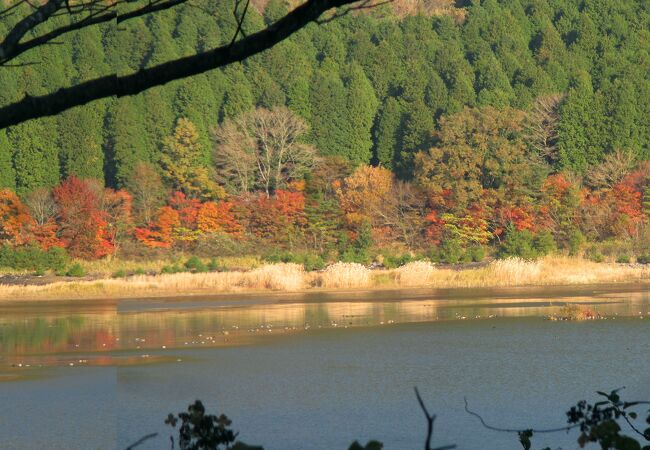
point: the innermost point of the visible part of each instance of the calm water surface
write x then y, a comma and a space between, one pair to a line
316, 371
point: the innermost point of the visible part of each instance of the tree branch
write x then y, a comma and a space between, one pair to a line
40, 15
141, 440
120, 86
430, 421
515, 430
102, 15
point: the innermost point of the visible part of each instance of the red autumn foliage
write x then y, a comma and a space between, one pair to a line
521, 218
188, 209
82, 223
435, 228
275, 217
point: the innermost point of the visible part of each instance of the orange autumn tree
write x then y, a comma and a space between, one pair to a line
364, 195
218, 217
161, 232
14, 218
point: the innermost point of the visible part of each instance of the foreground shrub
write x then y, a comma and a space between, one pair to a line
451, 251
623, 259
311, 261
524, 244
345, 275
33, 258
593, 254
76, 270
643, 259
392, 261
194, 264
476, 253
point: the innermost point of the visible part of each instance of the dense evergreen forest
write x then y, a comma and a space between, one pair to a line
471, 107
371, 87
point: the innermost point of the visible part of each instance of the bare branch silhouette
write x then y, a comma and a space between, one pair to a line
141, 441
430, 422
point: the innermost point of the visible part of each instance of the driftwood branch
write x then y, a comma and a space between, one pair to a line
120, 86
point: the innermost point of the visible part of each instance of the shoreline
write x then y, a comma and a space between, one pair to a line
291, 280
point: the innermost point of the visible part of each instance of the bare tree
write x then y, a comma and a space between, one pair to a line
146, 186
541, 126
100, 11
612, 170
41, 204
262, 149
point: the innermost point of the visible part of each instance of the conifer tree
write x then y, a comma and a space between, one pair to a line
329, 126
361, 108
35, 159
179, 162
7, 174
238, 98
418, 129
387, 133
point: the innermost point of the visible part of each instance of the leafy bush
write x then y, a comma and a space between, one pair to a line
476, 253
215, 266
451, 251
623, 259
544, 243
310, 261
525, 244
643, 259
518, 244
594, 254
194, 264
33, 258
175, 268
433, 254
76, 270
392, 261
139, 271
119, 274
575, 241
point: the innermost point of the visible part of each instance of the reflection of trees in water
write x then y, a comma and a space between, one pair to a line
57, 334
230, 325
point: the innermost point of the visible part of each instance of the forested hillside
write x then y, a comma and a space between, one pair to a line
372, 88
487, 111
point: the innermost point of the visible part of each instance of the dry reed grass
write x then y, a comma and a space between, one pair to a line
416, 273
292, 277
345, 276
286, 277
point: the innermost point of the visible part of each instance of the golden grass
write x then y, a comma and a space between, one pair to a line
292, 277
345, 276
416, 273
286, 277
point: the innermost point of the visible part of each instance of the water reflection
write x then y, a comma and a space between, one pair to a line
121, 332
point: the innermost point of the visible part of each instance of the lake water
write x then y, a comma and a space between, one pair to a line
317, 371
